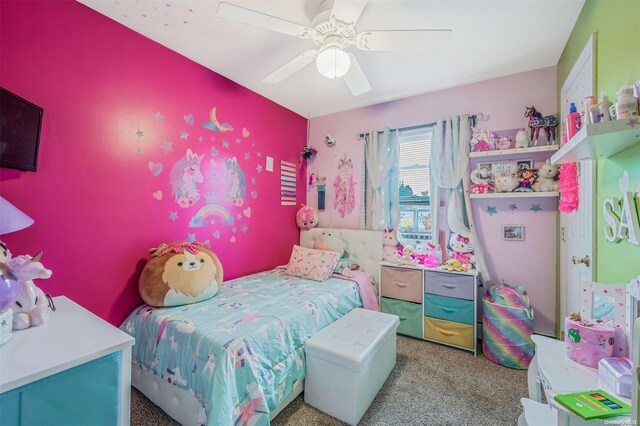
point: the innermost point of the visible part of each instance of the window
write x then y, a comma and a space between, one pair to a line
415, 210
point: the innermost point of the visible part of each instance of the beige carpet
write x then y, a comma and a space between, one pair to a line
430, 385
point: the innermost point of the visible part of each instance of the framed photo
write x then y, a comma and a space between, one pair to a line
524, 164
513, 232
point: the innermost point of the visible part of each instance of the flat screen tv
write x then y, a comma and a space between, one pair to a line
20, 124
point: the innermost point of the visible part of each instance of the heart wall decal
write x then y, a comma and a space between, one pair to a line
155, 168
157, 195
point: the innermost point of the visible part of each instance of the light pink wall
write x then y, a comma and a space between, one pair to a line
92, 197
503, 99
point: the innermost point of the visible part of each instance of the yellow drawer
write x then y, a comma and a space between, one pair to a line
453, 333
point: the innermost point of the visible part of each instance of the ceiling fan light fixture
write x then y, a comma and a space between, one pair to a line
333, 62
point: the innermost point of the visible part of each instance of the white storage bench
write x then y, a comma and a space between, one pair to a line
349, 361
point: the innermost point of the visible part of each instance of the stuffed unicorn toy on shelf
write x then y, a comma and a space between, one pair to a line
31, 308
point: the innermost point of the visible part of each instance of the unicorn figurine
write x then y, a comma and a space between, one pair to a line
32, 306
185, 177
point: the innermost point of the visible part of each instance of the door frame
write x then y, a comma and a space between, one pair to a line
586, 169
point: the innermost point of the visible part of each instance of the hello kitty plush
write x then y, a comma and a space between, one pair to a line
390, 245
461, 249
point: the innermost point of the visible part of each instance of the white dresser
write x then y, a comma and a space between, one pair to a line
74, 365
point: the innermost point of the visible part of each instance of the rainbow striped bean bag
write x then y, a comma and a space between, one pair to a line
507, 325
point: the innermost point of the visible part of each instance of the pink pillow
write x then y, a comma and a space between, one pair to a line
317, 265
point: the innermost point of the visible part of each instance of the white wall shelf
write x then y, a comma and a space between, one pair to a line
601, 140
516, 194
514, 151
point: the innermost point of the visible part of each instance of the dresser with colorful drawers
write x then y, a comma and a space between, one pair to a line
435, 305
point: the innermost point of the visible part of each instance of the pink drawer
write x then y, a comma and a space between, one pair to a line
449, 285
402, 284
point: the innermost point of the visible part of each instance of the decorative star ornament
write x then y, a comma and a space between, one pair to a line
225, 143
238, 141
491, 210
191, 237
259, 168
259, 154
513, 207
244, 228
234, 230
535, 208
207, 242
253, 181
140, 133
247, 156
200, 139
166, 146
159, 117
173, 216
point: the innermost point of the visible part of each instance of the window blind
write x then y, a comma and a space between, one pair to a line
415, 150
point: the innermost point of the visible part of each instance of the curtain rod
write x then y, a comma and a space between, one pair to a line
475, 117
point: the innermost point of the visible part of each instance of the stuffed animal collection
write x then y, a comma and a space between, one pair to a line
481, 181
180, 273
506, 182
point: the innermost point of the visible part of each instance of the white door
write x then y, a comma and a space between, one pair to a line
577, 230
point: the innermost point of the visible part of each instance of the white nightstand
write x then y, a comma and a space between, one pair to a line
74, 365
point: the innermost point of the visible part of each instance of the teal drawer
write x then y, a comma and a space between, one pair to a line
410, 315
448, 308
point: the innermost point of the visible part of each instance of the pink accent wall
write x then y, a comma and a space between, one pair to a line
99, 197
532, 262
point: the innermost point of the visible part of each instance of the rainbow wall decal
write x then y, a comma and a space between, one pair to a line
201, 218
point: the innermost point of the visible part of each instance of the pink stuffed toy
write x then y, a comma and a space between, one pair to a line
307, 218
461, 249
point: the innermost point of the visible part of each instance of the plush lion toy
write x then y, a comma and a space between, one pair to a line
180, 273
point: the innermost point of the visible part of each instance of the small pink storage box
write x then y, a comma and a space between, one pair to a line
616, 374
588, 341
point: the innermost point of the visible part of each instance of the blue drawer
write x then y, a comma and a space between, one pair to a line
448, 308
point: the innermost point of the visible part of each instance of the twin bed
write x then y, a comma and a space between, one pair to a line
238, 358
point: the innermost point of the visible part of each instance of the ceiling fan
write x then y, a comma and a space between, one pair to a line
333, 30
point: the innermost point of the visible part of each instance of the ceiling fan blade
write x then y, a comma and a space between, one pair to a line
296, 64
262, 20
400, 40
355, 78
347, 11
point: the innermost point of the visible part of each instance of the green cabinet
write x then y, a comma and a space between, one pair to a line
410, 315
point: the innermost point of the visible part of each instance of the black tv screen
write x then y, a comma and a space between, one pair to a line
20, 123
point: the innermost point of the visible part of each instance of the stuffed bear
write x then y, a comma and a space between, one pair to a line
461, 249
390, 245
547, 178
307, 218
180, 273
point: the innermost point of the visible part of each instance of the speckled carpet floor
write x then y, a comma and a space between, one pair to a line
430, 385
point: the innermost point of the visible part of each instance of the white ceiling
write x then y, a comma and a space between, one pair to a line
489, 39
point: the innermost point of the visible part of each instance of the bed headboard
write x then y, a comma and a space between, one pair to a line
364, 246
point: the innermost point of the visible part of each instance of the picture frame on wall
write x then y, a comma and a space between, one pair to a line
513, 232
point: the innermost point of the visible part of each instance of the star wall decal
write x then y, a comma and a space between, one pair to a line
225, 143
491, 210
253, 181
244, 228
234, 230
207, 242
140, 133
184, 135
173, 216
247, 156
259, 154
166, 146
200, 139
513, 207
259, 168
238, 141
535, 208
191, 237
159, 117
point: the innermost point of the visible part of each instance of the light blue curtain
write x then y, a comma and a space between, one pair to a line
381, 158
448, 165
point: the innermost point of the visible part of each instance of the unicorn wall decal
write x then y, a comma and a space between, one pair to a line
237, 181
185, 177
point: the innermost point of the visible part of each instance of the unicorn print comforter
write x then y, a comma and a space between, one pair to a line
241, 352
